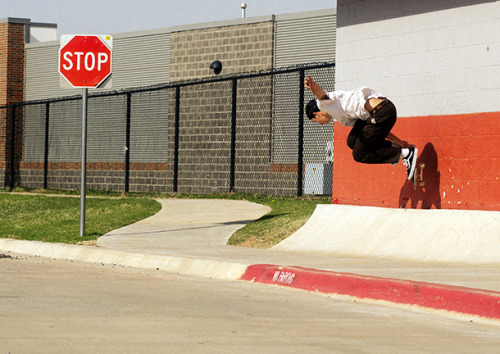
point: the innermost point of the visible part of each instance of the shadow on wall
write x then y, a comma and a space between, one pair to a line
427, 196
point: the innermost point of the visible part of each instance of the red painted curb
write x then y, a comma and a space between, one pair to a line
441, 297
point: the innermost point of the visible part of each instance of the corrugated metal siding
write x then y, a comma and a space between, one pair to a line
299, 39
41, 74
137, 61
307, 39
141, 60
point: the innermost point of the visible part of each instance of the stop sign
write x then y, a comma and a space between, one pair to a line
84, 60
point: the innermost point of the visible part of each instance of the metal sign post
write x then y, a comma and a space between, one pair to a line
83, 187
85, 61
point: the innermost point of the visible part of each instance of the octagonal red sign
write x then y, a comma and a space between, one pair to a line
84, 60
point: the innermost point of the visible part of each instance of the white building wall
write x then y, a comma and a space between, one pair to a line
428, 57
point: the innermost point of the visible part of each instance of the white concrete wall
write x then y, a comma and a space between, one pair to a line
436, 57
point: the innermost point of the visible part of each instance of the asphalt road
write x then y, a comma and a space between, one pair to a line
52, 306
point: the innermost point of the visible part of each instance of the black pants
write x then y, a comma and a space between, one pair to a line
367, 139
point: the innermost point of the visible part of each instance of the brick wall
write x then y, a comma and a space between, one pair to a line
240, 48
143, 177
205, 140
255, 173
11, 91
11, 63
4, 45
204, 161
4, 56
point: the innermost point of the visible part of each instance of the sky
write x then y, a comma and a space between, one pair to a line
119, 16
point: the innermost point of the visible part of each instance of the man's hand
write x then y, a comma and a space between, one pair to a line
308, 82
406, 144
397, 141
315, 88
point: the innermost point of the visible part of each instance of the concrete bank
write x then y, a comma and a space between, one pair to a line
465, 236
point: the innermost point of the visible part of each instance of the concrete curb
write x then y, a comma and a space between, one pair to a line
181, 265
461, 300
457, 299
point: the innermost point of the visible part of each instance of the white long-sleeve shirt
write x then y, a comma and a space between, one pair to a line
348, 106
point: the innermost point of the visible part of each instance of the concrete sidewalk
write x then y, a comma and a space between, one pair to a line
189, 237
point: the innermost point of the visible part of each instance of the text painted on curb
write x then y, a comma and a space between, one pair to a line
283, 277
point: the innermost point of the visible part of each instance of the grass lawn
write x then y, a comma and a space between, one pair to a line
287, 216
57, 218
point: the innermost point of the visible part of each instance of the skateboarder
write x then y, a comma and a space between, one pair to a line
372, 117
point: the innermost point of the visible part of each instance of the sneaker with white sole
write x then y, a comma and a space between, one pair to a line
410, 161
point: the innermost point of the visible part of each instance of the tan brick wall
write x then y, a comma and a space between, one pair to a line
206, 109
240, 48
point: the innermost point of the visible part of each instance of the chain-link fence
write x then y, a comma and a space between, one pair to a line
245, 133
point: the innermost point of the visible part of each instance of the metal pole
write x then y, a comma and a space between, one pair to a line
46, 147
84, 161
243, 10
176, 138
300, 164
13, 148
233, 136
127, 143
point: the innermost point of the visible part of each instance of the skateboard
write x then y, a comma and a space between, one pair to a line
418, 176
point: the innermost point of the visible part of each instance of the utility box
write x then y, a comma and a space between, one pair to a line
318, 179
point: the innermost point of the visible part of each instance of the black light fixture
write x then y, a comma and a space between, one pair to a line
216, 66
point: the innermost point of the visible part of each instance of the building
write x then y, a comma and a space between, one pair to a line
159, 57
439, 62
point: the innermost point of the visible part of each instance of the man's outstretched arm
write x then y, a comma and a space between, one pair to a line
316, 89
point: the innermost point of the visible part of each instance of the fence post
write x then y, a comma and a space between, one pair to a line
46, 147
13, 148
233, 135
300, 162
127, 144
176, 137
